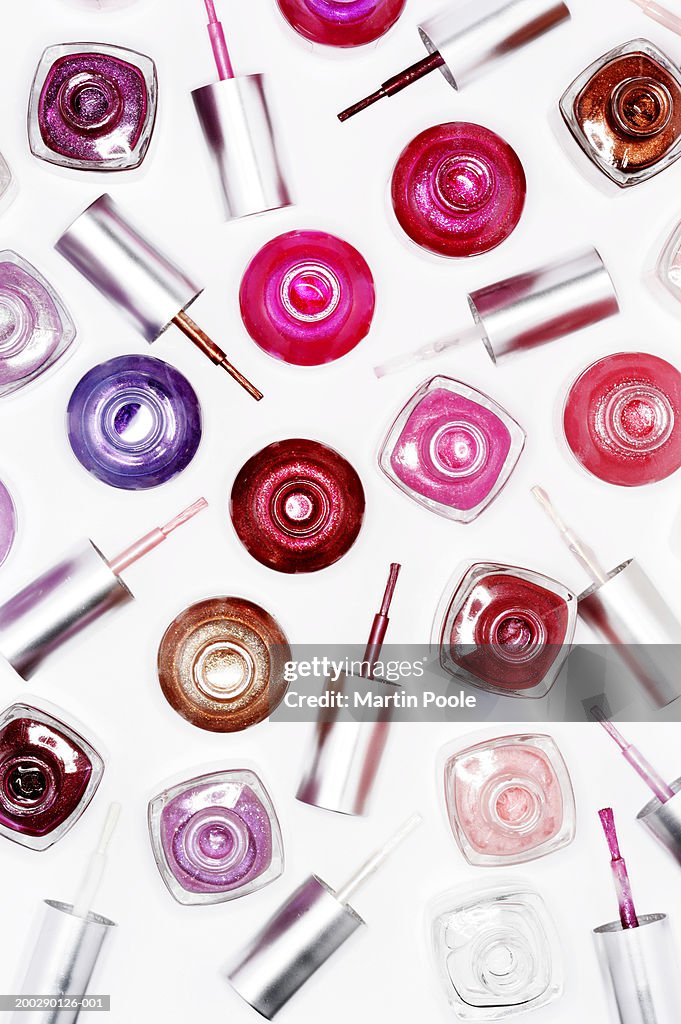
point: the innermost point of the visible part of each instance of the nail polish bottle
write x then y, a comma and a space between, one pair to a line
302, 935
49, 774
496, 951
307, 298
668, 270
342, 23
65, 954
7, 184
36, 330
71, 595
625, 608
625, 112
622, 419
138, 279
527, 310
451, 449
8, 522
509, 800
505, 630
221, 664
237, 125
216, 837
297, 506
458, 189
637, 953
92, 107
463, 41
134, 422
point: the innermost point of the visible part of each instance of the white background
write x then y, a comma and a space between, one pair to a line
164, 963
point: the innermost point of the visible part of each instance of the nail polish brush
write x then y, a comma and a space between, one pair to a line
661, 816
69, 943
636, 953
528, 310
237, 126
138, 279
660, 14
72, 594
625, 608
461, 43
345, 753
302, 934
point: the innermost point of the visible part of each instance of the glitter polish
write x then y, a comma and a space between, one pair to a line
458, 189
297, 506
216, 837
48, 776
134, 422
221, 664
36, 330
341, 23
504, 629
509, 800
451, 449
307, 298
496, 951
624, 111
8, 522
621, 419
92, 107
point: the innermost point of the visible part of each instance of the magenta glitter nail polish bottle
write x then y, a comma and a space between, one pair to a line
458, 189
216, 837
307, 298
451, 449
342, 23
92, 107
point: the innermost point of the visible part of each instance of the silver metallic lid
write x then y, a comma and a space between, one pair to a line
301, 936
484, 30
544, 304
344, 758
664, 821
640, 970
237, 126
62, 962
56, 606
629, 612
127, 268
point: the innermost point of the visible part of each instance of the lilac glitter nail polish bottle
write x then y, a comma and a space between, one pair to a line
92, 107
8, 522
216, 837
134, 422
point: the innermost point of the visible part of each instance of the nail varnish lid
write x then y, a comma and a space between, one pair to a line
138, 279
238, 129
347, 24
297, 506
221, 664
302, 934
663, 820
134, 422
307, 297
8, 522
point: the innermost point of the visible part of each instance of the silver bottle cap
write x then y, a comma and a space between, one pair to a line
630, 612
127, 268
296, 941
640, 970
237, 127
485, 30
664, 821
56, 606
345, 757
62, 962
544, 304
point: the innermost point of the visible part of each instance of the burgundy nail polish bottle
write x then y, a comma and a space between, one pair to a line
48, 776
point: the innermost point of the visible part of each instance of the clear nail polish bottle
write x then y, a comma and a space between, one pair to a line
496, 951
504, 629
7, 184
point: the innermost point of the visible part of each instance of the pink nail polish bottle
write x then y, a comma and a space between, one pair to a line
458, 189
341, 23
509, 800
451, 449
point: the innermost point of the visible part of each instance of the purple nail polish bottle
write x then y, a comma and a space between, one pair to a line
35, 329
216, 837
8, 522
92, 107
134, 422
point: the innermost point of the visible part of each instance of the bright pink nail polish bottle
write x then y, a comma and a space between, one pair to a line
342, 23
